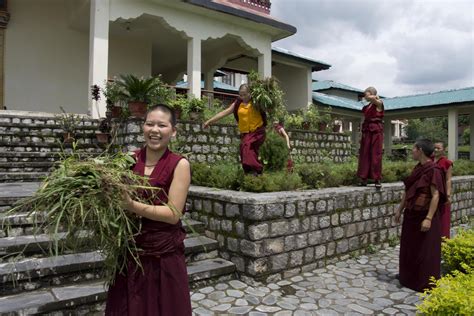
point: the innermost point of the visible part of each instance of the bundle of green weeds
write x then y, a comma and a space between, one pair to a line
82, 201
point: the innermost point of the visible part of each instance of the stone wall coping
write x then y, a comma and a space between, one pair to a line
33, 114
290, 196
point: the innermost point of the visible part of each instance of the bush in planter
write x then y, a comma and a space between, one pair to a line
458, 252
194, 108
452, 295
138, 93
104, 131
274, 152
215, 108
113, 93
221, 175
294, 121
272, 182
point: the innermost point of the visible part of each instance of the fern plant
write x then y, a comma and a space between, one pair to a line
136, 89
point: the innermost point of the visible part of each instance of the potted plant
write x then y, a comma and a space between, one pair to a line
294, 121
113, 92
324, 120
194, 108
103, 135
137, 93
178, 103
311, 117
69, 123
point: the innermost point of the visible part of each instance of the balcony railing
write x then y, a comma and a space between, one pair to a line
257, 5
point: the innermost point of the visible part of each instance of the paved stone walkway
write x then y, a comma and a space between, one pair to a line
362, 286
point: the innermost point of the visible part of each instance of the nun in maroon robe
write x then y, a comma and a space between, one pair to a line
371, 143
160, 287
444, 164
420, 251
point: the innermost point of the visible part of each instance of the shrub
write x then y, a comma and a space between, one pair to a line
271, 182
273, 152
453, 295
463, 167
459, 250
220, 175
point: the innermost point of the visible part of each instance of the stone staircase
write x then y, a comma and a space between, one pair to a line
72, 283
31, 142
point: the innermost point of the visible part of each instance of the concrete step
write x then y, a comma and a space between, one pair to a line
23, 223
84, 145
78, 297
33, 166
34, 273
14, 191
36, 156
43, 244
22, 176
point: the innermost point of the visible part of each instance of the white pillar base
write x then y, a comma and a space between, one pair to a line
453, 134
387, 137
265, 64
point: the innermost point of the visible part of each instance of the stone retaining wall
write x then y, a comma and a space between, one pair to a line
270, 235
221, 142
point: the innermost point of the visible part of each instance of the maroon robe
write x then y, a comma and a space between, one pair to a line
250, 143
371, 144
420, 252
161, 288
444, 163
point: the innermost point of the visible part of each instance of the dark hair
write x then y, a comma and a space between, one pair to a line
164, 108
426, 146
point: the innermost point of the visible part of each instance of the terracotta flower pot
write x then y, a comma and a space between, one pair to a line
102, 138
322, 127
137, 109
195, 115
116, 111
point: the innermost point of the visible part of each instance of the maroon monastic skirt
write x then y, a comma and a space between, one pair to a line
370, 156
420, 252
160, 289
446, 221
249, 145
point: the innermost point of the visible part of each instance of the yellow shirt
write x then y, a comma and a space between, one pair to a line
249, 118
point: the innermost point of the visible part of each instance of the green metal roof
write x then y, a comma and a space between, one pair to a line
316, 64
430, 99
340, 102
405, 102
329, 84
217, 85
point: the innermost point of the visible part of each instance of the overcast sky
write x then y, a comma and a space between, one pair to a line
399, 46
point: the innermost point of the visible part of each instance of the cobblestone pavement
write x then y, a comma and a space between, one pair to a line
362, 286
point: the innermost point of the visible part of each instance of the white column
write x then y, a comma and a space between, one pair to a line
194, 67
471, 127
355, 135
387, 137
98, 53
453, 134
309, 83
265, 64
209, 85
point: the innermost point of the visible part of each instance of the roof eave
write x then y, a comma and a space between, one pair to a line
285, 29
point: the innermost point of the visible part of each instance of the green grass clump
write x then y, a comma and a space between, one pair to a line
86, 195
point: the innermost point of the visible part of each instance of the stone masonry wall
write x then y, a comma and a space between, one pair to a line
270, 235
221, 142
